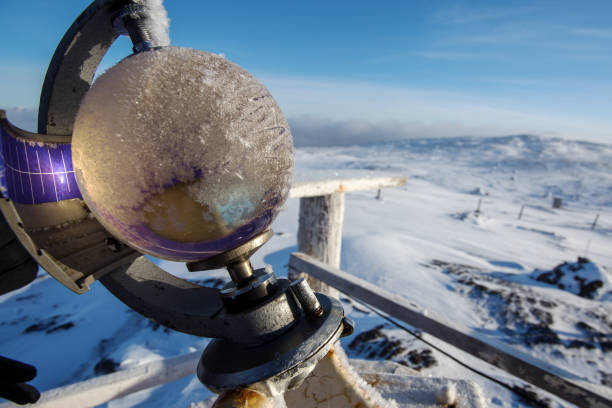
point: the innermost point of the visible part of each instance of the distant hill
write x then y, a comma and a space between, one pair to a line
529, 167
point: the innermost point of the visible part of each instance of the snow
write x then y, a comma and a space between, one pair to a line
424, 241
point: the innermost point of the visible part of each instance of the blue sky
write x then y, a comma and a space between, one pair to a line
356, 71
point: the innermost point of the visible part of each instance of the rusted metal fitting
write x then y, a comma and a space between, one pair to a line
305, 295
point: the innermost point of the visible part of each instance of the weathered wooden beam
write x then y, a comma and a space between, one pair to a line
98, 390
320, 233
322, 215
325, 187
400, 308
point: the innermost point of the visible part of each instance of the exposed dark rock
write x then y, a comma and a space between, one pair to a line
64, 326
523, 314
585, 327
216, 283
539, 334
595, 337
547, 304
367, 336
25, 297
583, 278
49, 325
156, 326
588, 290
420, 359
542, 315
106, 366
377, 344
528, 395
513, 311
580, 344
553, 277
606, 379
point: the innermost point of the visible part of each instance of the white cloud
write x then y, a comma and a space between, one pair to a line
593, 32
326, 112
453, 55
24, 118
360, 110
459, 14
318, 131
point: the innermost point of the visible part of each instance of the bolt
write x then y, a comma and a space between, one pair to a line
133, 17
307, 298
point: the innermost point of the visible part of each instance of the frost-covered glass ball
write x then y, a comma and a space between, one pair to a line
181, 153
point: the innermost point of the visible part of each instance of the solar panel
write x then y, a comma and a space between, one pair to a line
36, 172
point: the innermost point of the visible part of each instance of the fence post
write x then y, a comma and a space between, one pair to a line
478, 207
320, 233
320, 236
595, 222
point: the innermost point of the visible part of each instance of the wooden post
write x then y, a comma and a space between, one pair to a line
321, 217
520, 214
320, 233
320, 236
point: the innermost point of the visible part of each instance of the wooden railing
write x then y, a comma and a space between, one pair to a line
527, 368
98, 390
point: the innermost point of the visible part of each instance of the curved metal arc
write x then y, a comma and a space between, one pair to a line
141, 285
190, 308
166, 299
74, 65
21, 134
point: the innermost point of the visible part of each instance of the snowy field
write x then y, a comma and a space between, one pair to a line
485, 270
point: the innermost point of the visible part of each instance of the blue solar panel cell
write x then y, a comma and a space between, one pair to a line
37, 173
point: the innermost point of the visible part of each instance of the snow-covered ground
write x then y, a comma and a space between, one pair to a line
485, 270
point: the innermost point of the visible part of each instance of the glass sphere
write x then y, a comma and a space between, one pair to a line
181, 153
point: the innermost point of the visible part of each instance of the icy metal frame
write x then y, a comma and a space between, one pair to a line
73, 66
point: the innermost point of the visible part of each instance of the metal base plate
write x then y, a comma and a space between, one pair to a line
225, 365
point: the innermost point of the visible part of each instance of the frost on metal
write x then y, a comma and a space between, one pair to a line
159, 23
182, 153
